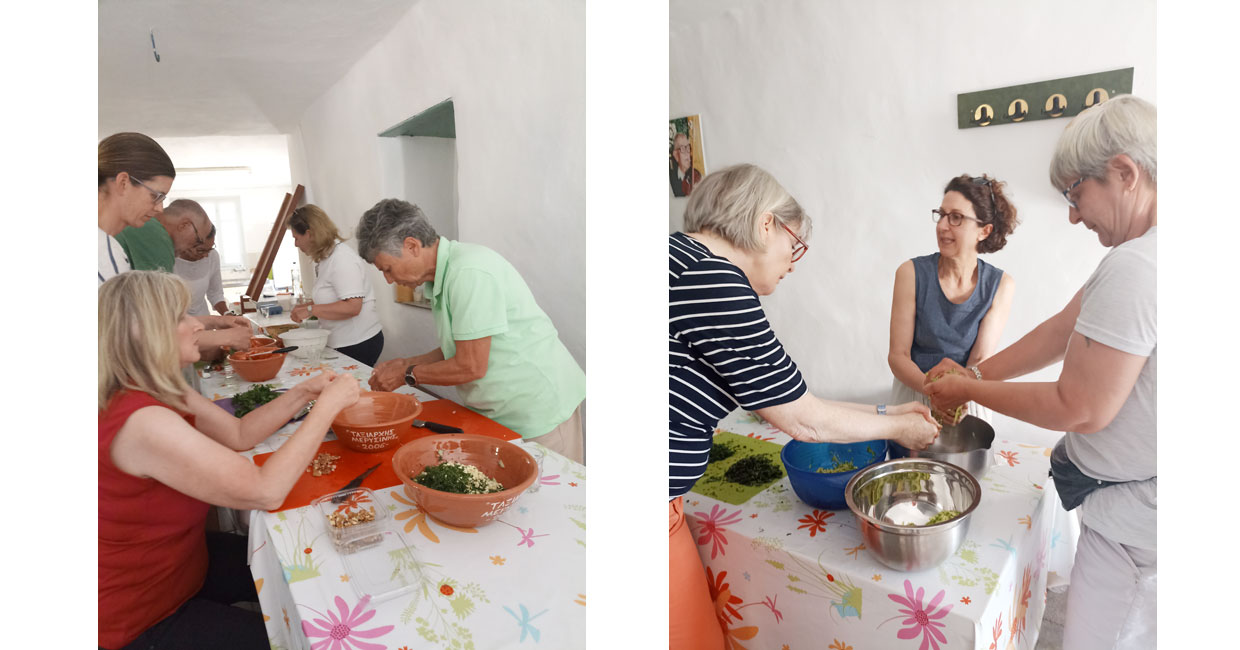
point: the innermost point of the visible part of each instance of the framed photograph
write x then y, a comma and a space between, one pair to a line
686, 163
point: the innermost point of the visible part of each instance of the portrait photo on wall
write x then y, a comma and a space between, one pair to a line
686, 164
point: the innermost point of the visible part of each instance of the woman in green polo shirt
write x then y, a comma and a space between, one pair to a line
496, 345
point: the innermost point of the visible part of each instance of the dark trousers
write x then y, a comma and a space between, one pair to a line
207, 621
367, 351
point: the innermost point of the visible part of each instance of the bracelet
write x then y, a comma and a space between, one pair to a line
881, 409
976, 372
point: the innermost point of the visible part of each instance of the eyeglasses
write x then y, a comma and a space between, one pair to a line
686, 147
982, 180
1071, 203
799, 249
953, 218
158, 197
197, 238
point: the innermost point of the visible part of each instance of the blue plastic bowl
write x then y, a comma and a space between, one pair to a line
826, 491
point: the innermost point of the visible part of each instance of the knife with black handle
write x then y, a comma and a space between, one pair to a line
436, 427
355, 483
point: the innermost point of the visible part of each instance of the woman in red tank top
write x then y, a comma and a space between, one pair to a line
165, 454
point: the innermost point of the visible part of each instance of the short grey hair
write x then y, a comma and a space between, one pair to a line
186, 209
730, 203
385, 226
1124, 124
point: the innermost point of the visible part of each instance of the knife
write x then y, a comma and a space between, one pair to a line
436, 427
355, 483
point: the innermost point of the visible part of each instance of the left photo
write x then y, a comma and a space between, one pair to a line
342, 325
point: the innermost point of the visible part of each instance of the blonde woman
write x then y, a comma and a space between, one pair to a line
343, 298
166, 454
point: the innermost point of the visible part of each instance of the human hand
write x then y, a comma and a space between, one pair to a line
943, 367
236, 321
917, 430
910, 407
947, 393
389, 375
315, 385
299, 313
341, 391
236, 337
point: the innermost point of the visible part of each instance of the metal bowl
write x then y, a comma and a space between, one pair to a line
887, 497
965, 444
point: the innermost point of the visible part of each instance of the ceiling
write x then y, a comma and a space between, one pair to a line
228, 67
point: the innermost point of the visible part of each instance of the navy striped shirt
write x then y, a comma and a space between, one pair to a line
722, 354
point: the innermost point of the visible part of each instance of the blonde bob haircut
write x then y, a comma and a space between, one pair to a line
1125, 124
730, 203
138, 348
323, 234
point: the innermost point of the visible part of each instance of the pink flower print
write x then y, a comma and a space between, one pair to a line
548, 480
921, 620
770, 602
1010, 457
713, 527
341, 633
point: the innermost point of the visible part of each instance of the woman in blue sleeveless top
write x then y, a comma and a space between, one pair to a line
950, 304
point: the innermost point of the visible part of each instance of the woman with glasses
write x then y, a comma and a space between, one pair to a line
951, 304
165, 453
344, 300
135, 174
744, 233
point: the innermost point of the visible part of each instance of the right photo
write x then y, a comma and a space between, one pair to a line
912, 325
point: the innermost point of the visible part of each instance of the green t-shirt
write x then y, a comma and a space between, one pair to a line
532, 383
149, 248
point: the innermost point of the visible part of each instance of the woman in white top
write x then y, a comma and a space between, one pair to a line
135, 174
200, 268
343, 298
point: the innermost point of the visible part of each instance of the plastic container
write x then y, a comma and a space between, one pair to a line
826, 490
360, 536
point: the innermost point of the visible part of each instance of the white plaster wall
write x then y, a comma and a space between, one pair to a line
852, 106
516, 75
261, 189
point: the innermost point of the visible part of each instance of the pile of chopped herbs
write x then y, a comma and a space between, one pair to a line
247, 401
946, 515
753, 470
720, 451
458, 479
838, 467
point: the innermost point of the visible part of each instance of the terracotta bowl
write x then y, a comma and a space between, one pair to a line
503, 461
377, 421
256, 369
262, 342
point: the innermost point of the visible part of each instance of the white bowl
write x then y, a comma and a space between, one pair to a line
308, 341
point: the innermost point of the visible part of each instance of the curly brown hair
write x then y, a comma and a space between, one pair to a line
991, 206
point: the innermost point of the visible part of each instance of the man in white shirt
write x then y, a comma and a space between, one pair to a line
200, 268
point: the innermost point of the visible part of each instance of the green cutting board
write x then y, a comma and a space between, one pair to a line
712, 483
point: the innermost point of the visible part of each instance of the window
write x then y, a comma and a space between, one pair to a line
225, 213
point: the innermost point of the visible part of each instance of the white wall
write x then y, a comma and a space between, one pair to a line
516, 75
852, 106
261, 189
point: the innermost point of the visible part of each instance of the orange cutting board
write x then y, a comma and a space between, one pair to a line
353, 463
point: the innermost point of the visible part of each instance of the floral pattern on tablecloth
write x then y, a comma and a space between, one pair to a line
785, 575
470, 588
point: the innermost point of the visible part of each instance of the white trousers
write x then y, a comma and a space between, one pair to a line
1112, 599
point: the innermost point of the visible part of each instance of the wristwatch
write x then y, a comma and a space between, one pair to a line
881, 409
410, 380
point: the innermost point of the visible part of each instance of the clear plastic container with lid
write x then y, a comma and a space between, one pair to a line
354, 519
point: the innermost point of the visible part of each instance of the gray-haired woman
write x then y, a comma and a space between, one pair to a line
1106, 166
496, 345
744, 233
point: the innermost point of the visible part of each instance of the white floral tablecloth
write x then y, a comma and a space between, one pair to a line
786, 576
517, 582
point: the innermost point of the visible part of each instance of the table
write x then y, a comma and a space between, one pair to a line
518, 580
785, 575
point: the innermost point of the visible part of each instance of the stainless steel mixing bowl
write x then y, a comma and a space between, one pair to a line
965, 444
887, 496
